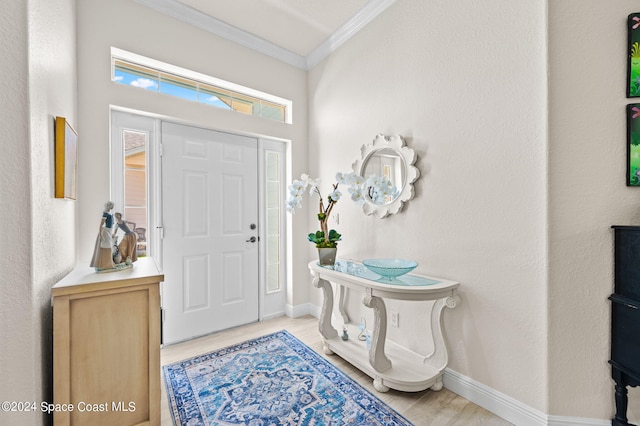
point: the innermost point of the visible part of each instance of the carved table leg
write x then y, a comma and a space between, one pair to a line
621, 399
377, 357
343, 312
438, 385
379, 386
324, 324
439, 358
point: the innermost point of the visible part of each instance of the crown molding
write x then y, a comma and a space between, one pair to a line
184, 13
366, 14
191, 16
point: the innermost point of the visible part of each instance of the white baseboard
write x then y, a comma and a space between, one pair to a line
315, 311
576, 421
490, 399
273, 315
298, 311
506, 407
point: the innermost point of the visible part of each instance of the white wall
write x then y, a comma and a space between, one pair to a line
520, 216
15, 261
587, 194
465, 83
39, 67
127, 25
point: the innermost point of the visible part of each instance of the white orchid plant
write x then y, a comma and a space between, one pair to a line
377, 189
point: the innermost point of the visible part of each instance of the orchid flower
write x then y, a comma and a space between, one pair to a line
377, 189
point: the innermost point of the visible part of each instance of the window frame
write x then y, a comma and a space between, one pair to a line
237, 93
272, 299
122, 120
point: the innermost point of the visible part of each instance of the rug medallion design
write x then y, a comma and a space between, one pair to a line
268, 381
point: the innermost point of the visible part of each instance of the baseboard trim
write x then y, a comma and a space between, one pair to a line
576, 421
490, 399
498, 403
297, 311
273, 315
315, 311
506, 407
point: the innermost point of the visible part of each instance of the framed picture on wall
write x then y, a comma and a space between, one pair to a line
633, 145
633, 56
66, 154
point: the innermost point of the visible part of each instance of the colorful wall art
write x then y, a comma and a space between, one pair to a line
633, 52
633, 145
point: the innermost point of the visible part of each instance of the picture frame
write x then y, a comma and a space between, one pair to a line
633, 145
633, 55
66, 160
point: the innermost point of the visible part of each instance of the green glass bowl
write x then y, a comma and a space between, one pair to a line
390, 268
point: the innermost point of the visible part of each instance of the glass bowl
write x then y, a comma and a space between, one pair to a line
390, 268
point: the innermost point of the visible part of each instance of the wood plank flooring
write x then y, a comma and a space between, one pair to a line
427, 408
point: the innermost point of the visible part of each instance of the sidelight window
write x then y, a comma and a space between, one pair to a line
135, 185
273, 204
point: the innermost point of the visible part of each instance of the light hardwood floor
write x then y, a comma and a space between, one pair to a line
427, 408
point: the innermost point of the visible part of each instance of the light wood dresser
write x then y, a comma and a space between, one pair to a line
106, 347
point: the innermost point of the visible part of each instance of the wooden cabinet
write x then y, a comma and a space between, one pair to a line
106, 347
625, 317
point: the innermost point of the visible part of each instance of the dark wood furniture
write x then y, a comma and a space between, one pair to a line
625, 318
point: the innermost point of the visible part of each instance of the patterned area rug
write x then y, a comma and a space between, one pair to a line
269, 381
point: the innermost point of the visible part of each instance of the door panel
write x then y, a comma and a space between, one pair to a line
232, 293
209, 203
195, 212
196, 278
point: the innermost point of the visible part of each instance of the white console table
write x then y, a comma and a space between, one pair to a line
390, 365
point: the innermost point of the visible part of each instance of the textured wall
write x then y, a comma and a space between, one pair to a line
16, 350
52, 92
38, 83
465, 83
521, 217
587, 194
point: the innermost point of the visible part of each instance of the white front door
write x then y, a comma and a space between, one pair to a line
209, 218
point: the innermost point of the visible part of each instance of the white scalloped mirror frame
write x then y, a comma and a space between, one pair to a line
406, 156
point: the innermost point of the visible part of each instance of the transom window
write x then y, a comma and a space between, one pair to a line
149, 74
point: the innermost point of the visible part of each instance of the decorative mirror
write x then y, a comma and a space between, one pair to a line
388, 156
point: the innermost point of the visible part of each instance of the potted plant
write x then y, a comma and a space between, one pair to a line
375, 189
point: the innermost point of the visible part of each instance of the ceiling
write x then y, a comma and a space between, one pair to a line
296, 25
300, 32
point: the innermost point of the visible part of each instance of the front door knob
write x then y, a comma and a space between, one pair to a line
251, 240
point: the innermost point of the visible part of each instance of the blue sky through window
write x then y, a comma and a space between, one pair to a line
178, 91
135, 80
185, 87
149, 83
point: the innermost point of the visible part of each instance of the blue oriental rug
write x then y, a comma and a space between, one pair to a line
272, 380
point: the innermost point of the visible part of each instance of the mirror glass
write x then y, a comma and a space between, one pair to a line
390, 157
388, 163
